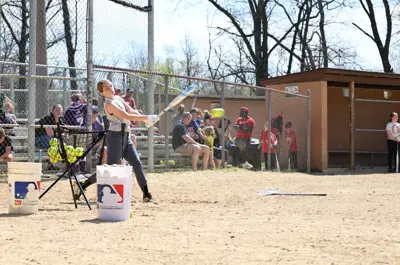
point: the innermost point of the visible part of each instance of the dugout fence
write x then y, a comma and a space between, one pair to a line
369, 114
61, 63
264, 105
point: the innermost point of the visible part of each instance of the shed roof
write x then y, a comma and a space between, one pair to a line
340, 77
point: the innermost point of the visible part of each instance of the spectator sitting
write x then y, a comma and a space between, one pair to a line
200, 115
76, 113
177, 118
6, 114
209, 120
9, 108
210, 134
43, 135
184, 144
6, 148
193, 127
117, 92
97, 126
244, 126
227, 130
95, 102
128, 98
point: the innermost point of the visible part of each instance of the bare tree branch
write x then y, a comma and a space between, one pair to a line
126, 4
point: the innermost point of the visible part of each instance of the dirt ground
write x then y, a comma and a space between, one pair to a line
216, 217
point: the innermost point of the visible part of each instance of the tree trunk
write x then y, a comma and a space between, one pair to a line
383, 48
22, 100
322, 32
265, 53
69, 42
295, 34
257, 46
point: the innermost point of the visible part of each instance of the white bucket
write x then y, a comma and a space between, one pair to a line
24, 187
114, 187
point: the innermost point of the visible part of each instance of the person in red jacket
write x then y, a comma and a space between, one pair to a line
273, 141
290, 136
244, 126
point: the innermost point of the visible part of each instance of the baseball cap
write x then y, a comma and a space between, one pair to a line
244, 109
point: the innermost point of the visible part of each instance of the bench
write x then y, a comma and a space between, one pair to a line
20, 144
370, 153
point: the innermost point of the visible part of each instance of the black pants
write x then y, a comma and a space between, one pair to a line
392, 153
293, 160
242, 150
273, 160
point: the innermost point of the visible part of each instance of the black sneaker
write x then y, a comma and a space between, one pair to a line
147, 197
146, 194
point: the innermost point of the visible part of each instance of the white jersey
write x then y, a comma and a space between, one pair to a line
393, 129
115, 122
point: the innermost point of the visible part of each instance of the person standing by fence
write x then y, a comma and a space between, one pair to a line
392, 129
267, 139
244, 126
290, 136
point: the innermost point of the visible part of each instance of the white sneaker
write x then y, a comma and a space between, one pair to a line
77, 191
247, 165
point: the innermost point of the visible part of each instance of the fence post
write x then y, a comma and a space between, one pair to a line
123, 83
309, 131
65, 88
32, 81
89, 79
269, 128
136, 89
223, 126
352, 110
150, 85
166, 85
12, 91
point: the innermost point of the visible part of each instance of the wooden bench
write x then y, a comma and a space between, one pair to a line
20, 144
370, 153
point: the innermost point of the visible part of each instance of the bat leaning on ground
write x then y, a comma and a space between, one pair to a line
184, 94
278, 167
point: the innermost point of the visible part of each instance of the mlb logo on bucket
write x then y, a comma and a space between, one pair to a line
110, 194
27, 190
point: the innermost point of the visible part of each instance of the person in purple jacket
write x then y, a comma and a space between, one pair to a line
76, 113
98, 126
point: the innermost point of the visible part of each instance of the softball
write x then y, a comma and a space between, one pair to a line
218, 113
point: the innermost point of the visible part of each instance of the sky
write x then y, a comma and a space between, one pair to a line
118, 29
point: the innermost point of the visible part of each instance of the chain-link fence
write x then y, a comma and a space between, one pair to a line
47, 72
15, 121
288, 122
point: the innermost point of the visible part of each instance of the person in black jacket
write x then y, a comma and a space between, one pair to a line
43, 135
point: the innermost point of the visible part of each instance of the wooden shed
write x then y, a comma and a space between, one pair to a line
349, 111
